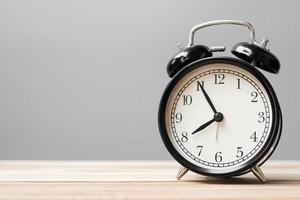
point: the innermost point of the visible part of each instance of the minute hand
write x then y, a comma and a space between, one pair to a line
208, 99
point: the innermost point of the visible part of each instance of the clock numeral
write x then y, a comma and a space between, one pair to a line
239, 83
254, 137
200, 149
254, 95
261, 118
187, 99
218, 156
219, 78
184, 137
199, 84
178, 117
239, 152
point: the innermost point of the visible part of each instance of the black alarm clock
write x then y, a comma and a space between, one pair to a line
219, 116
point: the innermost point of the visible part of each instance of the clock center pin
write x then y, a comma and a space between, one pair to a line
218, 117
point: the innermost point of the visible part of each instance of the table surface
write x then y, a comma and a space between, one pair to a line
139, 180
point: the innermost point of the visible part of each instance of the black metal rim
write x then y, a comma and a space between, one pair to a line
265, 151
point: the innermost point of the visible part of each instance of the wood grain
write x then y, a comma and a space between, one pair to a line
138, 180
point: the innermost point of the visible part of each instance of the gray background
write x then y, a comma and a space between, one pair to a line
83, 79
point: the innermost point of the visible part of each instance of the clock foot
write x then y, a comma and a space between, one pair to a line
182, 171
259, 174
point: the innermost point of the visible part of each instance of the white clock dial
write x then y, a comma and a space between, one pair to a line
246, 109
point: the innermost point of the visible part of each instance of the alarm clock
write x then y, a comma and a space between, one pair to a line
219, 116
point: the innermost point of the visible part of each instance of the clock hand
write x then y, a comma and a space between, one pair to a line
203, 126
217, 132
217, 118
208, 99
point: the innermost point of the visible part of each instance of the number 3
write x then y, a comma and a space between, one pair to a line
261, 117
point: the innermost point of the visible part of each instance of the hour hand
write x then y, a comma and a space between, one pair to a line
217, 118
203, 126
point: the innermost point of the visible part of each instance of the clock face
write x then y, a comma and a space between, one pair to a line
218, 117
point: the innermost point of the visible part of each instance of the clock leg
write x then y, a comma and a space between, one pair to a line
259, 174
181, 172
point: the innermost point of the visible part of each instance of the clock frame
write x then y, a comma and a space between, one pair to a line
266, 150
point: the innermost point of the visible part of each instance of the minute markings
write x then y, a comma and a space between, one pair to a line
197, 78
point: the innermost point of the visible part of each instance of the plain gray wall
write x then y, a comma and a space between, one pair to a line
83, 79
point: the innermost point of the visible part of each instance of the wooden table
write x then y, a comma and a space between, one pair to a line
138, 180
